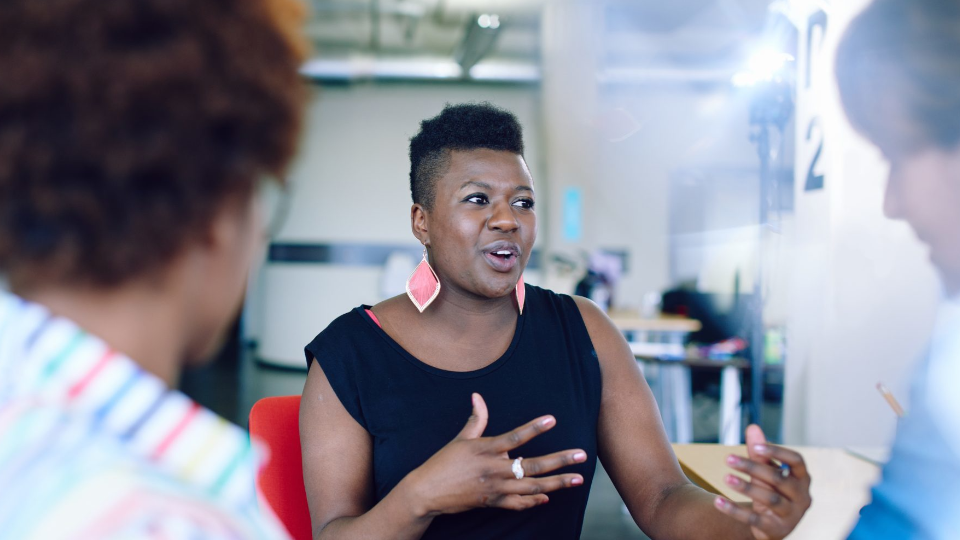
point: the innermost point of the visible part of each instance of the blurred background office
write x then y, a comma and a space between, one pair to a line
694, 173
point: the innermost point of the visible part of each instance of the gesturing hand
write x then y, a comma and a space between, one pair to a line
780, 493
473, 471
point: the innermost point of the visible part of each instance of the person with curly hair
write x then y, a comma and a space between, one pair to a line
476, 406
135, 141
898, 68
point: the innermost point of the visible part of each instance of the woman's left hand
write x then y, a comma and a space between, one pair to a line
780, 493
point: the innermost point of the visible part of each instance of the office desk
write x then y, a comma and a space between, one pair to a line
675, 396
628, 322
652, 342
840, 487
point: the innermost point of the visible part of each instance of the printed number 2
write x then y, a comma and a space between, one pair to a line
814, 40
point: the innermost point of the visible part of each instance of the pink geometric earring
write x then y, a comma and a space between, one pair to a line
423, 286
521, 294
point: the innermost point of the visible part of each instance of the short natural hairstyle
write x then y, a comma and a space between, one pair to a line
467, 126
903, 55
126, 126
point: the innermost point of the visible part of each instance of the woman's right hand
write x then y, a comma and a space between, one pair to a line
474, 472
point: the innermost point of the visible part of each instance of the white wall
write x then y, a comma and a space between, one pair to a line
863, 294
351, 184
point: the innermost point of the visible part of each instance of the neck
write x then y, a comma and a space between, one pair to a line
139, 320
461, 312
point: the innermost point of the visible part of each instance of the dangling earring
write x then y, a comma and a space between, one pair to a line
521, 294
423, 286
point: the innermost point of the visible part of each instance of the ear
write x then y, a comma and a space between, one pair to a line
235, 223
418, 223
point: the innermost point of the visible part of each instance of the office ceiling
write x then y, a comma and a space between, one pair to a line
674, 34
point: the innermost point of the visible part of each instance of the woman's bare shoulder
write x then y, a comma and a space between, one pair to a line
398, 305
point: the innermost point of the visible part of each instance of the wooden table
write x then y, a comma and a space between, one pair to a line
840, 484
629, 322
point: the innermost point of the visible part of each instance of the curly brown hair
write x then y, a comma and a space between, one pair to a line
125, 126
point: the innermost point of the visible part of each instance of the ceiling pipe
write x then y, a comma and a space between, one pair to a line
423, 69
433, 69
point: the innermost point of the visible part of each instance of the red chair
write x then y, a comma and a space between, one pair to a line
275, 421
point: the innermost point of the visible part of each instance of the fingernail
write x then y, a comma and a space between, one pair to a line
761, 449
733, 460
733, 480
577, 481
473, 399
545, 500
580, 456
721, 503
548, 421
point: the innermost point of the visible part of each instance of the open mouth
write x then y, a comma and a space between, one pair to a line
502, 256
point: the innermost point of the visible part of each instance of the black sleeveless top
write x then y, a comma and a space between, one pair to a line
412, 409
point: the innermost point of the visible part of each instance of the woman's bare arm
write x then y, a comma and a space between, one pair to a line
338, 473
635, 452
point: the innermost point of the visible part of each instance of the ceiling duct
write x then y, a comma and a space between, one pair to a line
478, 39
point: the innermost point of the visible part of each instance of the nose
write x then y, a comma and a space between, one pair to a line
891, 199
503, 218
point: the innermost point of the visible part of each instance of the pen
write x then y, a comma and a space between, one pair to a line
891, 400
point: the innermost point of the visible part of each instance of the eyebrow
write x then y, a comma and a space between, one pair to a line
484, 185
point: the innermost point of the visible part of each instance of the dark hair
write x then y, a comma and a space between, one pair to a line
903, 55
466, 126
126, 126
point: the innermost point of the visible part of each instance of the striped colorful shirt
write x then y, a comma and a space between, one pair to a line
93, 446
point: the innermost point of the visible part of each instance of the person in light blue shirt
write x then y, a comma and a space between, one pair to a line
898, 68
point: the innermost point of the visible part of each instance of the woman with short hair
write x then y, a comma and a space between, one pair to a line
548, 383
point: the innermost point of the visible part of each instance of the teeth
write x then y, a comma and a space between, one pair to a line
502, 253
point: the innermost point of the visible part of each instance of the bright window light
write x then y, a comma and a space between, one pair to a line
744, 79
765, 65
768, 63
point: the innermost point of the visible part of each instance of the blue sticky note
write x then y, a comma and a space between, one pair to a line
572, 214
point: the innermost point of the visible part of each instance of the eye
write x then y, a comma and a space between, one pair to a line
524, 203
477, 198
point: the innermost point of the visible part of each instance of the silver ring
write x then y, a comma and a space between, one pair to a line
517, 468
